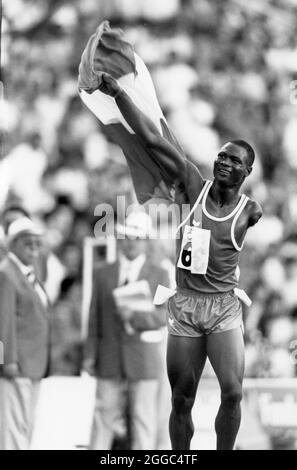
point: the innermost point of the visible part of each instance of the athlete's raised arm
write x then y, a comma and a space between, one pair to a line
173, 162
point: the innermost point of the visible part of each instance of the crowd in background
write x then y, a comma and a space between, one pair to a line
222, 70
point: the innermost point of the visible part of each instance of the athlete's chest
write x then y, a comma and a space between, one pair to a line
220, 222
209, 230
208, 210
217, 210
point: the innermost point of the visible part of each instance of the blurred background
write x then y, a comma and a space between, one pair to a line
222, 69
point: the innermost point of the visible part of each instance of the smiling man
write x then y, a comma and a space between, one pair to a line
204, 315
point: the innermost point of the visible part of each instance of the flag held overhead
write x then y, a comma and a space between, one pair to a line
107, 51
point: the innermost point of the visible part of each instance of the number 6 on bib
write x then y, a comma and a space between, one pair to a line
200, 250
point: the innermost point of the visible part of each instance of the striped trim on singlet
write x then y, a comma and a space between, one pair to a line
237, 211
208, 183
240, 209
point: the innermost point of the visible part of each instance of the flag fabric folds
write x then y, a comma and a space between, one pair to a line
108, 51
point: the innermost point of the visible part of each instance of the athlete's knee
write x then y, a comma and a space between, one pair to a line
181, 403
231, 395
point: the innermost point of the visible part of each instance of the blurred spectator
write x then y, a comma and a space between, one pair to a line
12, 213
124, 344
23, 169
66, 331
48, 267
24, 333
271, 231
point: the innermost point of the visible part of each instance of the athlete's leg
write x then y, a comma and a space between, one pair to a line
185, 361
226, 354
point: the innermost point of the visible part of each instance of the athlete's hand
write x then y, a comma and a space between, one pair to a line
109, 85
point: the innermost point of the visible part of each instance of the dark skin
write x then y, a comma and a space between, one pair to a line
232, 158
186, 356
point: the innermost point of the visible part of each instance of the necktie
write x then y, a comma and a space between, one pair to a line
37, 287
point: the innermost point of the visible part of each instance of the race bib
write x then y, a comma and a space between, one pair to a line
185, 256
194, 253
200, 250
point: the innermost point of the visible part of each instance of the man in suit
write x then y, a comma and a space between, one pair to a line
24, 333
48, 267
124, 345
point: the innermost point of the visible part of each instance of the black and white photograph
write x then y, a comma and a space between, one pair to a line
148, 228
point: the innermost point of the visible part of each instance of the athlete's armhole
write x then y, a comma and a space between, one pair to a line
238, 244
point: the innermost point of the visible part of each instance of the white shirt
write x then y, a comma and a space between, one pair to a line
129, 270
26, 271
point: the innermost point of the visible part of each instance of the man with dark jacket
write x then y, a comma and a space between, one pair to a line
24, 334
125, 344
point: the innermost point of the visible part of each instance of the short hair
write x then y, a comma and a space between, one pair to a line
247, 147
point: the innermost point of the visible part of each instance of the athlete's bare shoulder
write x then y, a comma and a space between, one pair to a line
254, 212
